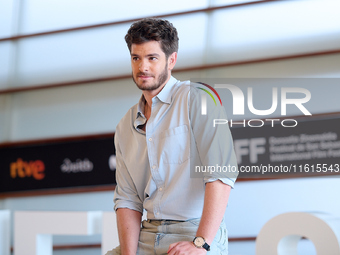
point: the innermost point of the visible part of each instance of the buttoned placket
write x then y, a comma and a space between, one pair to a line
152, 154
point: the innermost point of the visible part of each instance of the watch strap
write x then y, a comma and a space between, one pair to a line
206, 246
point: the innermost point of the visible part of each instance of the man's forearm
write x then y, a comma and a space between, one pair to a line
128, 223
215, 202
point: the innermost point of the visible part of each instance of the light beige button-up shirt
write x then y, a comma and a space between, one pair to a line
164, 169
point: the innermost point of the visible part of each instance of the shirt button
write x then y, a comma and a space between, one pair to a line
150, 139
160, 189
154, 167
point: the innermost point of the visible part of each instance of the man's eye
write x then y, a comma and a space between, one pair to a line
153, 58
135, 58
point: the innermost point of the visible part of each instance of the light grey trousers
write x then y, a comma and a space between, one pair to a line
156, 236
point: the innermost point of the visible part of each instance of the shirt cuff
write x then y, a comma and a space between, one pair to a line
128, 204
227, 181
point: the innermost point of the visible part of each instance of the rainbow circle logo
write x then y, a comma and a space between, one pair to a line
209, 93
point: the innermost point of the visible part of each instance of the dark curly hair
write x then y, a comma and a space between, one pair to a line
152, 29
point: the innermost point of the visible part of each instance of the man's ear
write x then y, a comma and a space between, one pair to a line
172, 60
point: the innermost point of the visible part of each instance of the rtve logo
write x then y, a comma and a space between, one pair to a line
35, 169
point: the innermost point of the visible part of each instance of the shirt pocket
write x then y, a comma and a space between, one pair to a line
175, 145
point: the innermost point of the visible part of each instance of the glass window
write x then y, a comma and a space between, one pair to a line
231, 2
76, 55
6, 12
276, 28
5, 50
41, 15
192, 31
4, 114
99, 52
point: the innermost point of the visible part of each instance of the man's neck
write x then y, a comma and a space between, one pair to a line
149, 94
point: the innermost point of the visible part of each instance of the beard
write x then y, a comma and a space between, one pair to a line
163, 76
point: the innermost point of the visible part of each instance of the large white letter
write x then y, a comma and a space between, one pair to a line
238, 97
281, 234
262, 112
297, 102
33, 230
5, 234
110, 234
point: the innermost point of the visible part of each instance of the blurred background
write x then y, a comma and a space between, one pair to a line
65, 72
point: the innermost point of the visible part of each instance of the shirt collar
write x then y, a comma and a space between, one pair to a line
166, 93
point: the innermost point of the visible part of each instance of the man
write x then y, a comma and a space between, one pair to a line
158, 144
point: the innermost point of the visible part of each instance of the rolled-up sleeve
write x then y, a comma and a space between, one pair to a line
213, 143
126, 195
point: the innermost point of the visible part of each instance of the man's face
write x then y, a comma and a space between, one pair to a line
150, 67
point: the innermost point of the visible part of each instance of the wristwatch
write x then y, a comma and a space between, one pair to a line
199, 242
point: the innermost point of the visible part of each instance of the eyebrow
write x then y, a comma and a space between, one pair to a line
149, 55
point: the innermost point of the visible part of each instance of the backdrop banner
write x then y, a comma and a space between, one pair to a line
311, 148
89, 162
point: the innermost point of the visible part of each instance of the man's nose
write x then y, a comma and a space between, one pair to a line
143, 66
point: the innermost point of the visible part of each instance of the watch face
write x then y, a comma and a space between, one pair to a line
199, 241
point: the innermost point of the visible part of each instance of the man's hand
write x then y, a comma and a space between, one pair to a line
185, 248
